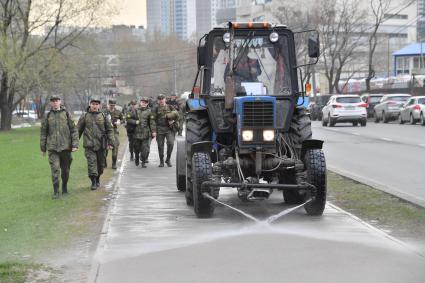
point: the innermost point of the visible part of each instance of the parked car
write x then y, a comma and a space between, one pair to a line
316, 105
413, 110
372, 100
313, 110
344, 109
389, 107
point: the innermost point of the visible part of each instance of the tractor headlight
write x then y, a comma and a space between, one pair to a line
226, 37
247, 135
274, 37
268, 135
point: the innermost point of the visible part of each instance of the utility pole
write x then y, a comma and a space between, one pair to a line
313, 81
175, 76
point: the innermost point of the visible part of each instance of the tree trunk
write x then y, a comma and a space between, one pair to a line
6, 118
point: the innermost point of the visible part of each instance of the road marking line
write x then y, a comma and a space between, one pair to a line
422, 145
356, 134
386, 139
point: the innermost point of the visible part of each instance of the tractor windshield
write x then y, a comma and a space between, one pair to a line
259, 67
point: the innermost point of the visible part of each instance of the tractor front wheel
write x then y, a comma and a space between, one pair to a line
201, 172
314, 161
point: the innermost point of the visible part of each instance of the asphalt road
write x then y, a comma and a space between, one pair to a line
390, 157
150, 235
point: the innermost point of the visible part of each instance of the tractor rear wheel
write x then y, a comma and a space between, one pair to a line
300, 128
181, 165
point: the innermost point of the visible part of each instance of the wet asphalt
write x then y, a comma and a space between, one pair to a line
151, 235
390, 157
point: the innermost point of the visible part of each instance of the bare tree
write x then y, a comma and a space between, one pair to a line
341, 26
379, 13
30, 29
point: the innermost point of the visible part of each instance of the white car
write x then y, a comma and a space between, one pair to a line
413, 111
344, 109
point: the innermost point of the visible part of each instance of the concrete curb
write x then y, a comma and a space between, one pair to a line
94, 270
376, 230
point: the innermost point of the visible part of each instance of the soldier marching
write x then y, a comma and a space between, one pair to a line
116, 117
143, 120
167, 125
58, 137
98, 137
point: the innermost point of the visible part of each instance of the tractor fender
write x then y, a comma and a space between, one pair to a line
196, 104
311, 144
203, 146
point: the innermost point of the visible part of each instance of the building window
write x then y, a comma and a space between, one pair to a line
395, 17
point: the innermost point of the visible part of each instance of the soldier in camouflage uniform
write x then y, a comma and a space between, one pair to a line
167, 126
98, 137
173, 102
144, 121
130, 128
59, 137
116, 117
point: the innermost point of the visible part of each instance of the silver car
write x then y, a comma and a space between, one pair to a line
413, 110
389, 107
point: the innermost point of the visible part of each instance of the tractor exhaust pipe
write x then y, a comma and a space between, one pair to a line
259, 194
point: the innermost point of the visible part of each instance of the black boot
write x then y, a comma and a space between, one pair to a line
161, 162
136, 159
64, 189
114, 162
131, 156
93, 183
168, 161
97, 181
55, 191
143, 164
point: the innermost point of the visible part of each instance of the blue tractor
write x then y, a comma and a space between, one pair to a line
245, 126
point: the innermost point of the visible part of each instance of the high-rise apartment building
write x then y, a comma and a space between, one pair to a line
160, 16
420, 25
185, 18
206, 15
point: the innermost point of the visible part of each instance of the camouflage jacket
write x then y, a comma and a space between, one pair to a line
114, 116
146, 125
58, 131
166, 119
97, 130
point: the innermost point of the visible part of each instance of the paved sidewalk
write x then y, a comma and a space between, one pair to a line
151, 235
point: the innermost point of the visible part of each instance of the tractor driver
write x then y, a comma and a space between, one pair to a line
247, 68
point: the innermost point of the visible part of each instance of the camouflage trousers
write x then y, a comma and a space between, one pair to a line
141, 149
116, 147
60, 164
131, 143
95, 161
160, 138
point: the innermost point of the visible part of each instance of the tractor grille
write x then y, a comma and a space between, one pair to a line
258, 114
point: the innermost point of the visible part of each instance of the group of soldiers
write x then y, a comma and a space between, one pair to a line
144, 121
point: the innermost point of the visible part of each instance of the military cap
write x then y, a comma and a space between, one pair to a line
112, 101
161, 96
55, 97
95, 98
144, 99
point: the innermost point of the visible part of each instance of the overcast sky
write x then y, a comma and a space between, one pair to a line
132, 12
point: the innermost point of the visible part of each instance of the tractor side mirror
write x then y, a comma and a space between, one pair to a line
202, 52
313, 46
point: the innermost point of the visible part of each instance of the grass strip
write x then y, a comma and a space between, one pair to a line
32, 225
399, 217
